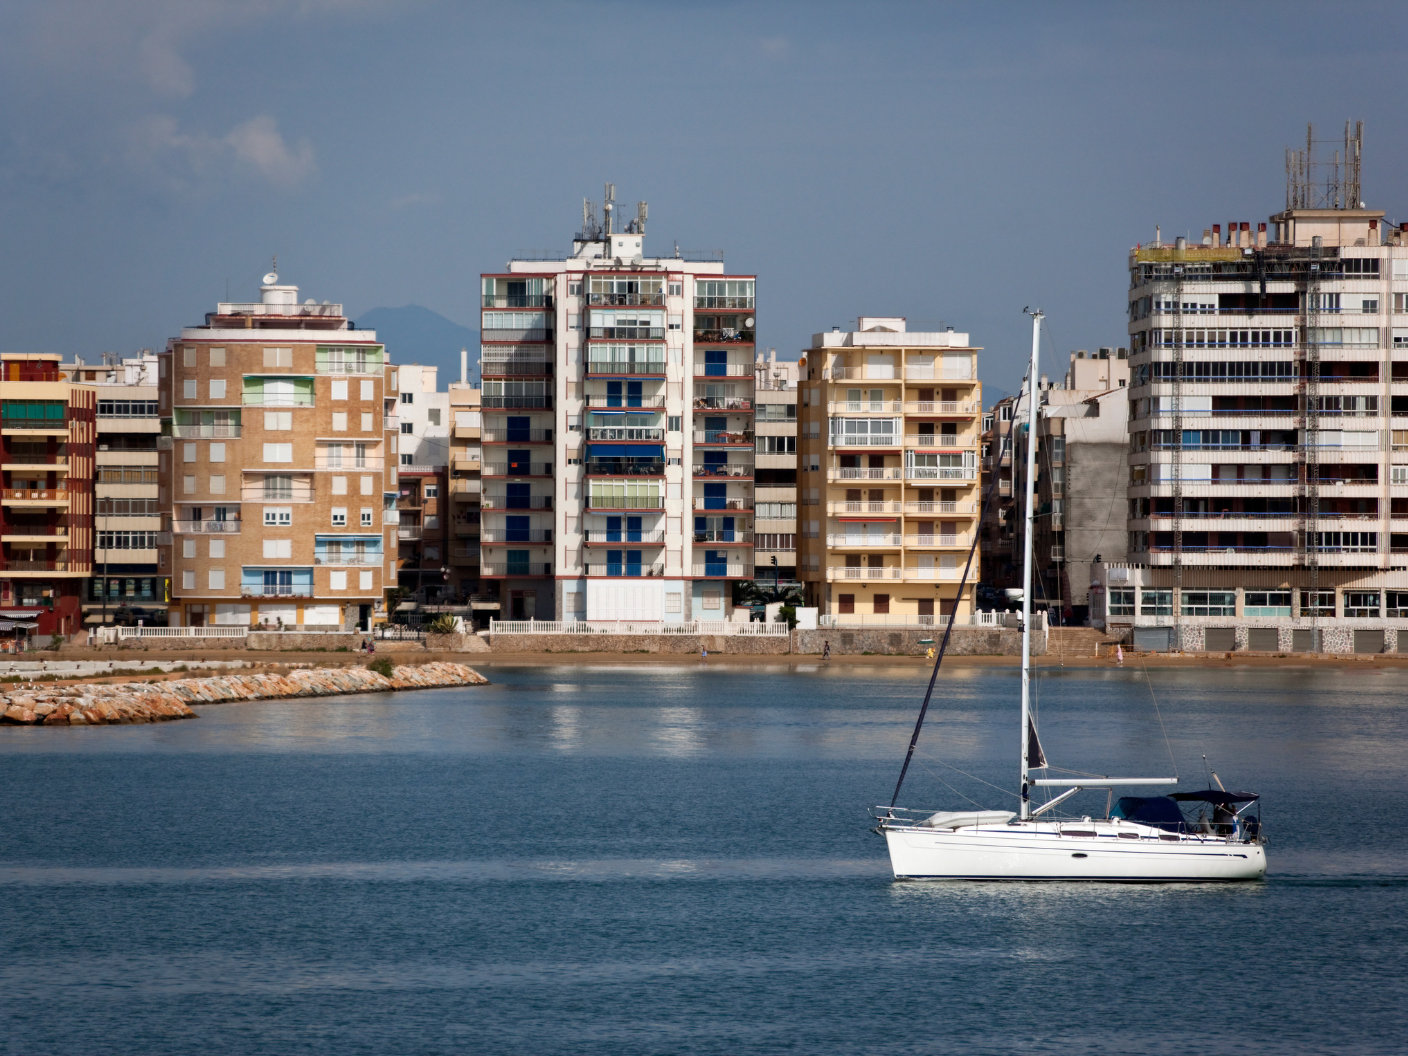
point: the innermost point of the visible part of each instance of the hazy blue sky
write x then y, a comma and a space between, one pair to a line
934, 160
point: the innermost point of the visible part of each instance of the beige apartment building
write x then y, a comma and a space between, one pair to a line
775, 479
279, 473
888, 463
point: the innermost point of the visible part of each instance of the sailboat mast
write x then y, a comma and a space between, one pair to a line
1032, 400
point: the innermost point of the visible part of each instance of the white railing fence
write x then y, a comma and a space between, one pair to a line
181, 632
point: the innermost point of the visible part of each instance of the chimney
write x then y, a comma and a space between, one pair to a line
1244, 237
1261, 235
1373, 232
1217, 235
464, 366
1180, 243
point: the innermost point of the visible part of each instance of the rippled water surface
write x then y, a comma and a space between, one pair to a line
675, 859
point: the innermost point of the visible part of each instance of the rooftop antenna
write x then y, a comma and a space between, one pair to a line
643, 213
608, 204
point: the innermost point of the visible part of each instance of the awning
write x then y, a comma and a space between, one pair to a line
11, 614
10, 625
626, 450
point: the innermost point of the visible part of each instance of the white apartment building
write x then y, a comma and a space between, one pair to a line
423, 423
618, 453
1268, 438
775, 535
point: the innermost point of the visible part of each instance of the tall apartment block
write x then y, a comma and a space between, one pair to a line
618, 432
279, 470
1268, 486
423, 452
888, 452
132, 545
995, 529
466, 463
775, 538
48, 430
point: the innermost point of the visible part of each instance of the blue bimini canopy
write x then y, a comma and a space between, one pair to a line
1159, 811
626, 450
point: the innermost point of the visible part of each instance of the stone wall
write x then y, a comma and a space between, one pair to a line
454, 643
726, 644
965, 641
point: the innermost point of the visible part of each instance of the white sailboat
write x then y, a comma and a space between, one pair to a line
1143, 838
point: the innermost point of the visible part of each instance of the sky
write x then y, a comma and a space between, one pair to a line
939, 161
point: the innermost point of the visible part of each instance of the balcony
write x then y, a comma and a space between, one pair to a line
613, 467
516, 502
944, 440
623, 537
865, 407
653, 367
256, 492
37, 496
724, 436
862, 506
470, 554
708, 504
515, 366
517, 469
958, 508
626, 300
625, 402
332, 311
349, 464
35, 534
42, 566
722, 570
726, 336
517, 436
866, 572
409, 533
276, 399
864, 539
391, 423
517, 300
941, 473
912, 373
864, 473
626, 333
865, 440
613, 502
723, 403
724, 469
36, 425
942, 408
222, 431
515, 535
273, 590
465, 465
1058, 553
206, 527
722, 370
34, 463
527, 402
465, 489
938, 540
626, 571
390, 517
628, 432
724, 537
537, 336
501, 570
353, 558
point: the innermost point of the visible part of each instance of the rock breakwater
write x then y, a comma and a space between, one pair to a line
133, 702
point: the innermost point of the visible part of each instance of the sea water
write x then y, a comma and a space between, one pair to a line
606, 859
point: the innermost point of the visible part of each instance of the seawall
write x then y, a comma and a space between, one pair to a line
98, 704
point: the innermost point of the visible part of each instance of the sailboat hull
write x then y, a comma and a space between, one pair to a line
1030, 852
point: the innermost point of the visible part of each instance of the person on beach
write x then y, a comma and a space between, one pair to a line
826, 650
703, 653
1119, 656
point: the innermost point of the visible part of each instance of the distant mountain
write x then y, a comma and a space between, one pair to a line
413, 334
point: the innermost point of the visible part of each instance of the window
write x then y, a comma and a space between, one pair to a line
366, 517
278, 357
188, 452
278, 516
1266, 603
188, 483
188, 389
278, 548
434, 415
217, 357
127, 408
339, 485
277, 487
217, 452
407, 397
1121, 601
339, 388
1399, 475
786, 511
845, 603
127, 540
275, 421
339, 516
406, 428
337, 580
367, 422
364, 581
188, 356
1397, 604
216, 579
1361, 603
188, 578
406, 460
777, 445
366, 391
217, 484
675, 423
1209, 603
432, 491
1156, 603
339, 422
217, 388
1324, 603
366, 485
217, 548
882, 603
278, 452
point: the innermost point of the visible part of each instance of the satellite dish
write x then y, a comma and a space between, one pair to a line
310, 301
271, 278
637, 259
748, 322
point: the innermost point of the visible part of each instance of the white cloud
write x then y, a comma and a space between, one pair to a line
257, 143
190, 161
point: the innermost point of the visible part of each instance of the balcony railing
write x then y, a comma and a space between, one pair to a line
13, 459
628, 432
941, 473
722, 403
516, 502
257, 493
863, 539
623, 537
726, 336
272, 590
41, 566
35, 494
206, 527
409, 533
391, 423
516, 535
530, 402
625, 502
938, 540
627, 333
611, 467
940, 408
498, 569
1058, 553
222, 431
276, 399
34, 423
653, 366
867, 572
625, 300
723, 370
494, 368
863, 506
626, 571
724, 536
865, 407
349, 463
625, 402
517, 469
970, 508
947, 440
863, 473
723, 436
726, 469
517, 300
327, 558
936, 374
532, 337
517, 436
865, 440
722, 570
725, 504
